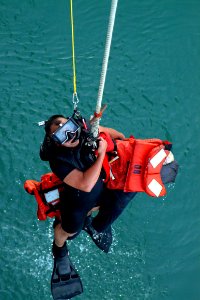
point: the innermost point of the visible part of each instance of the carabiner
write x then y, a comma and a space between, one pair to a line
75, 100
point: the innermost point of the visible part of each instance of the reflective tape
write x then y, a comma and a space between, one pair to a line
155, 187
158, 158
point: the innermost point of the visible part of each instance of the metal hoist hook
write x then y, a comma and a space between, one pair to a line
75, 100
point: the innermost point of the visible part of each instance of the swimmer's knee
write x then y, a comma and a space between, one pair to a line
93, 210
59, 228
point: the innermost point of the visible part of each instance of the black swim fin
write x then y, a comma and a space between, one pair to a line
65, 281
103, 240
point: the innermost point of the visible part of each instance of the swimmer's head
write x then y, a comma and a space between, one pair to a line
53, 123
63, 131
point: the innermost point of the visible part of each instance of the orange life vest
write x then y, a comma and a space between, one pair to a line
46, 193
137, 166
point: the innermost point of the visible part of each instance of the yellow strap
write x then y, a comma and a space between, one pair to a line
73, 52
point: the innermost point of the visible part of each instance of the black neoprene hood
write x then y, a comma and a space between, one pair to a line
51, 121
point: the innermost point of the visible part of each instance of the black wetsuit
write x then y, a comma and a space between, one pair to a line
75, 204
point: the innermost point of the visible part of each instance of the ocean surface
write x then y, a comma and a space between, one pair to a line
152, 90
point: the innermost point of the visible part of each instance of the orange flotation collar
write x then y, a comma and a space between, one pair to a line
46, 193
137, 166
145, 166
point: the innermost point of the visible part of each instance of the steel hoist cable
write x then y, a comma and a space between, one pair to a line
98, 112
75, 100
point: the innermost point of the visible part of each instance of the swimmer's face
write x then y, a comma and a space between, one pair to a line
54, 127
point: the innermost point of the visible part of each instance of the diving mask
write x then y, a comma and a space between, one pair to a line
66, 132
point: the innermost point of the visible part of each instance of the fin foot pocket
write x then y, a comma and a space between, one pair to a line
68, 285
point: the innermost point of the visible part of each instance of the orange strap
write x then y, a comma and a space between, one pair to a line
98, 115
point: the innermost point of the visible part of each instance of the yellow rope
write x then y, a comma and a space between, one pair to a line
73, 52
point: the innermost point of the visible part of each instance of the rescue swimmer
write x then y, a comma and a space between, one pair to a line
84, 178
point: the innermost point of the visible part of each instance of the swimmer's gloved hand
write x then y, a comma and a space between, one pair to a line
65, 281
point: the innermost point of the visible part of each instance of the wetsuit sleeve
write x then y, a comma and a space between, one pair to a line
61, 169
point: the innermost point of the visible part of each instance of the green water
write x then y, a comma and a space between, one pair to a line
152, 90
